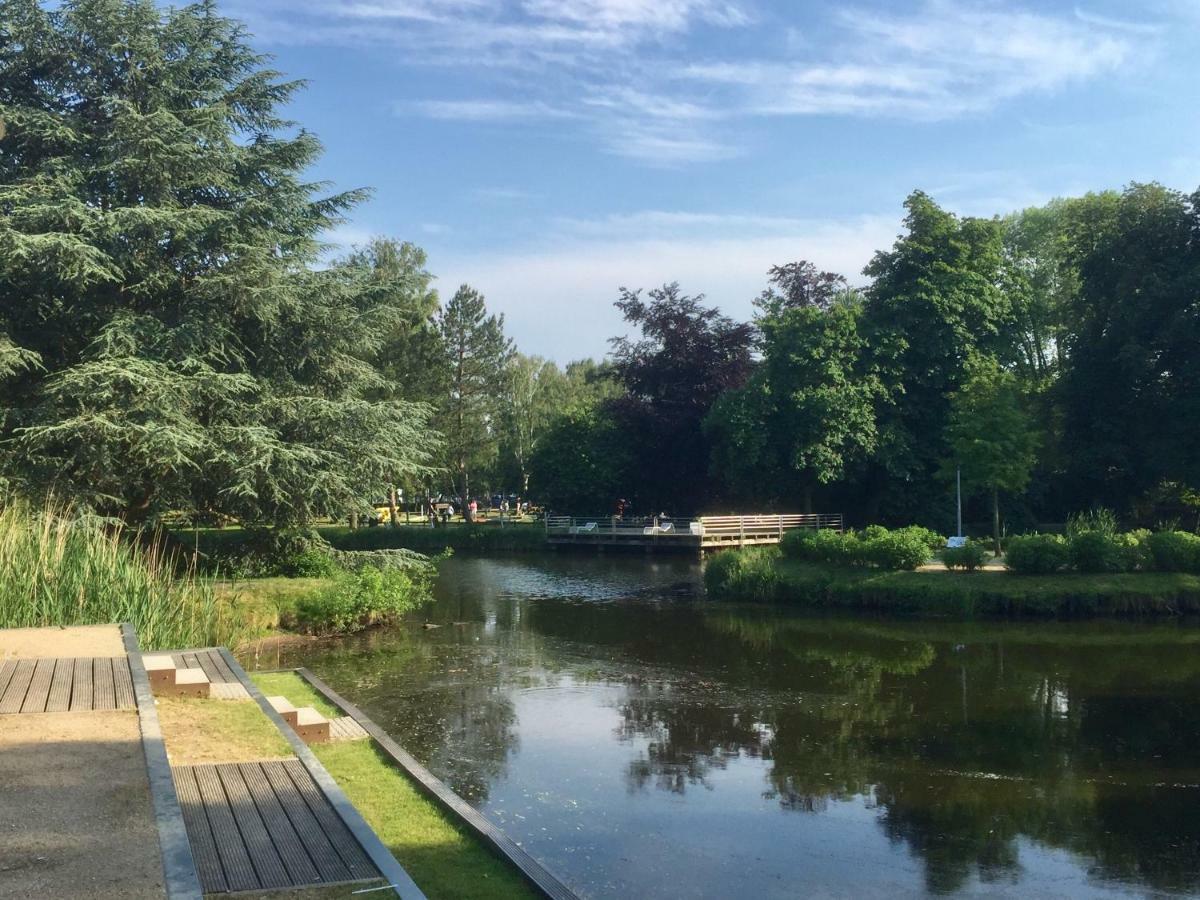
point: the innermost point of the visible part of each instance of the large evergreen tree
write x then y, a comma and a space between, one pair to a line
157, 246
476, 355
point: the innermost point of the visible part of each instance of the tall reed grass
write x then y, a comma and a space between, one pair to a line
60, 569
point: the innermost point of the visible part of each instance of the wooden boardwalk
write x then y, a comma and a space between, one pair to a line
265, 825
697, 535
49, 684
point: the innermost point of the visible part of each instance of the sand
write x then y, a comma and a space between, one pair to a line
79, 640
75, 816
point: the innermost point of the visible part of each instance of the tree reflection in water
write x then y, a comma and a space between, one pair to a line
969, 743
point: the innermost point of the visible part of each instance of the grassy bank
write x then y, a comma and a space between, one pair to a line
56, 569
758, 575
442, 857
490, 537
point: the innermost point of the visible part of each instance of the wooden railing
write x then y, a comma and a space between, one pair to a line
725, 529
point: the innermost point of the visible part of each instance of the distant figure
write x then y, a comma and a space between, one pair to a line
449, 513
621, 504
473, 510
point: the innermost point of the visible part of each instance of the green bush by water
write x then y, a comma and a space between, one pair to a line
57, 569
970, 557
1036, 554
875, 547
748, 574
373, 593
1174, 551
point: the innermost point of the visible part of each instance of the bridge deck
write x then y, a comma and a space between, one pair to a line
687, 535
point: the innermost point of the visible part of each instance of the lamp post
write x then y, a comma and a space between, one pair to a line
958, 484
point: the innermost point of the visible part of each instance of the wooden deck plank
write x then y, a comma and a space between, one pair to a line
7, 669
18, 686
59, 699
227, 674
263, 855
103, 691
320, 850
81, 685
39, 687
205, 661
335, 829
200, 836
287, 842
123, 683
177, 658
235, 861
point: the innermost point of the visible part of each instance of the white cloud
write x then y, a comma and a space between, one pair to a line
945, 60
557, 299
486, 110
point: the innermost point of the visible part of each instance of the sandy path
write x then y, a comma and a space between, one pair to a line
79, 640
75, 813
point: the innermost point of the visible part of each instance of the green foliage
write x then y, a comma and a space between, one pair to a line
159, 262
1036, 554
905, 548
1099, 551
1174, 551
970, 557
57, 569
748, 574
476, 356
364, 598
584, 463
1099, 520
901, 549
268, 552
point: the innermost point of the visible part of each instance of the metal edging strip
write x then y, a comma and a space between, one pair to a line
179, 868
391, 870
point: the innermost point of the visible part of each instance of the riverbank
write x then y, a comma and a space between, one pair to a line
768, 577
483, 537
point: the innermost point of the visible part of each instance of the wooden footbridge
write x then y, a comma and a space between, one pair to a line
681, 535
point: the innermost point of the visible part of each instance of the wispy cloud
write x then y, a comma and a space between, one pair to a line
633, 76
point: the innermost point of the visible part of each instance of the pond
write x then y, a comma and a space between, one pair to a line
644, 742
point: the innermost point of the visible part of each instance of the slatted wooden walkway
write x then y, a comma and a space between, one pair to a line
210, 660
265, 825
65, 685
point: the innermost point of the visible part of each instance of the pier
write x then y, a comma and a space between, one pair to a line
690, 535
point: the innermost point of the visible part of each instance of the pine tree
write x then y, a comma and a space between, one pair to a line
476, 354
157, 255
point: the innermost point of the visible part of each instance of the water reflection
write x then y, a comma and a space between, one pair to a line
643, 742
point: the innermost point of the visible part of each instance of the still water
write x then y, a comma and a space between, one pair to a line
642, 741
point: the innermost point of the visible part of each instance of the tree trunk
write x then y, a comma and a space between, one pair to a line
353, 521
808, 494
996, 519
392, 507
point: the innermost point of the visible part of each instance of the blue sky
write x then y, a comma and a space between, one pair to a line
550, 151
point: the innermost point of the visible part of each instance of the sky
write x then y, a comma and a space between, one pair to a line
549, 152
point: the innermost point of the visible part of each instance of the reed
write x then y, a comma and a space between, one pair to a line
57, 568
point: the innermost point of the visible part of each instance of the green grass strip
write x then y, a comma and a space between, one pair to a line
442, 856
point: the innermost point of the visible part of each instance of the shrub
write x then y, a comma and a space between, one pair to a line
748, 574
797, 543
1098, 551
363, 598
1100, 519
969, 557
1036, 554
1174, 551
903, 549
931, 538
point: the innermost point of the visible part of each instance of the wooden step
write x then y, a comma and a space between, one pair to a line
284, 707
189, 683
161, 671
311, 726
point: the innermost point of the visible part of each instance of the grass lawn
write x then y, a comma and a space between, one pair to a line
443, 858
212, 731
